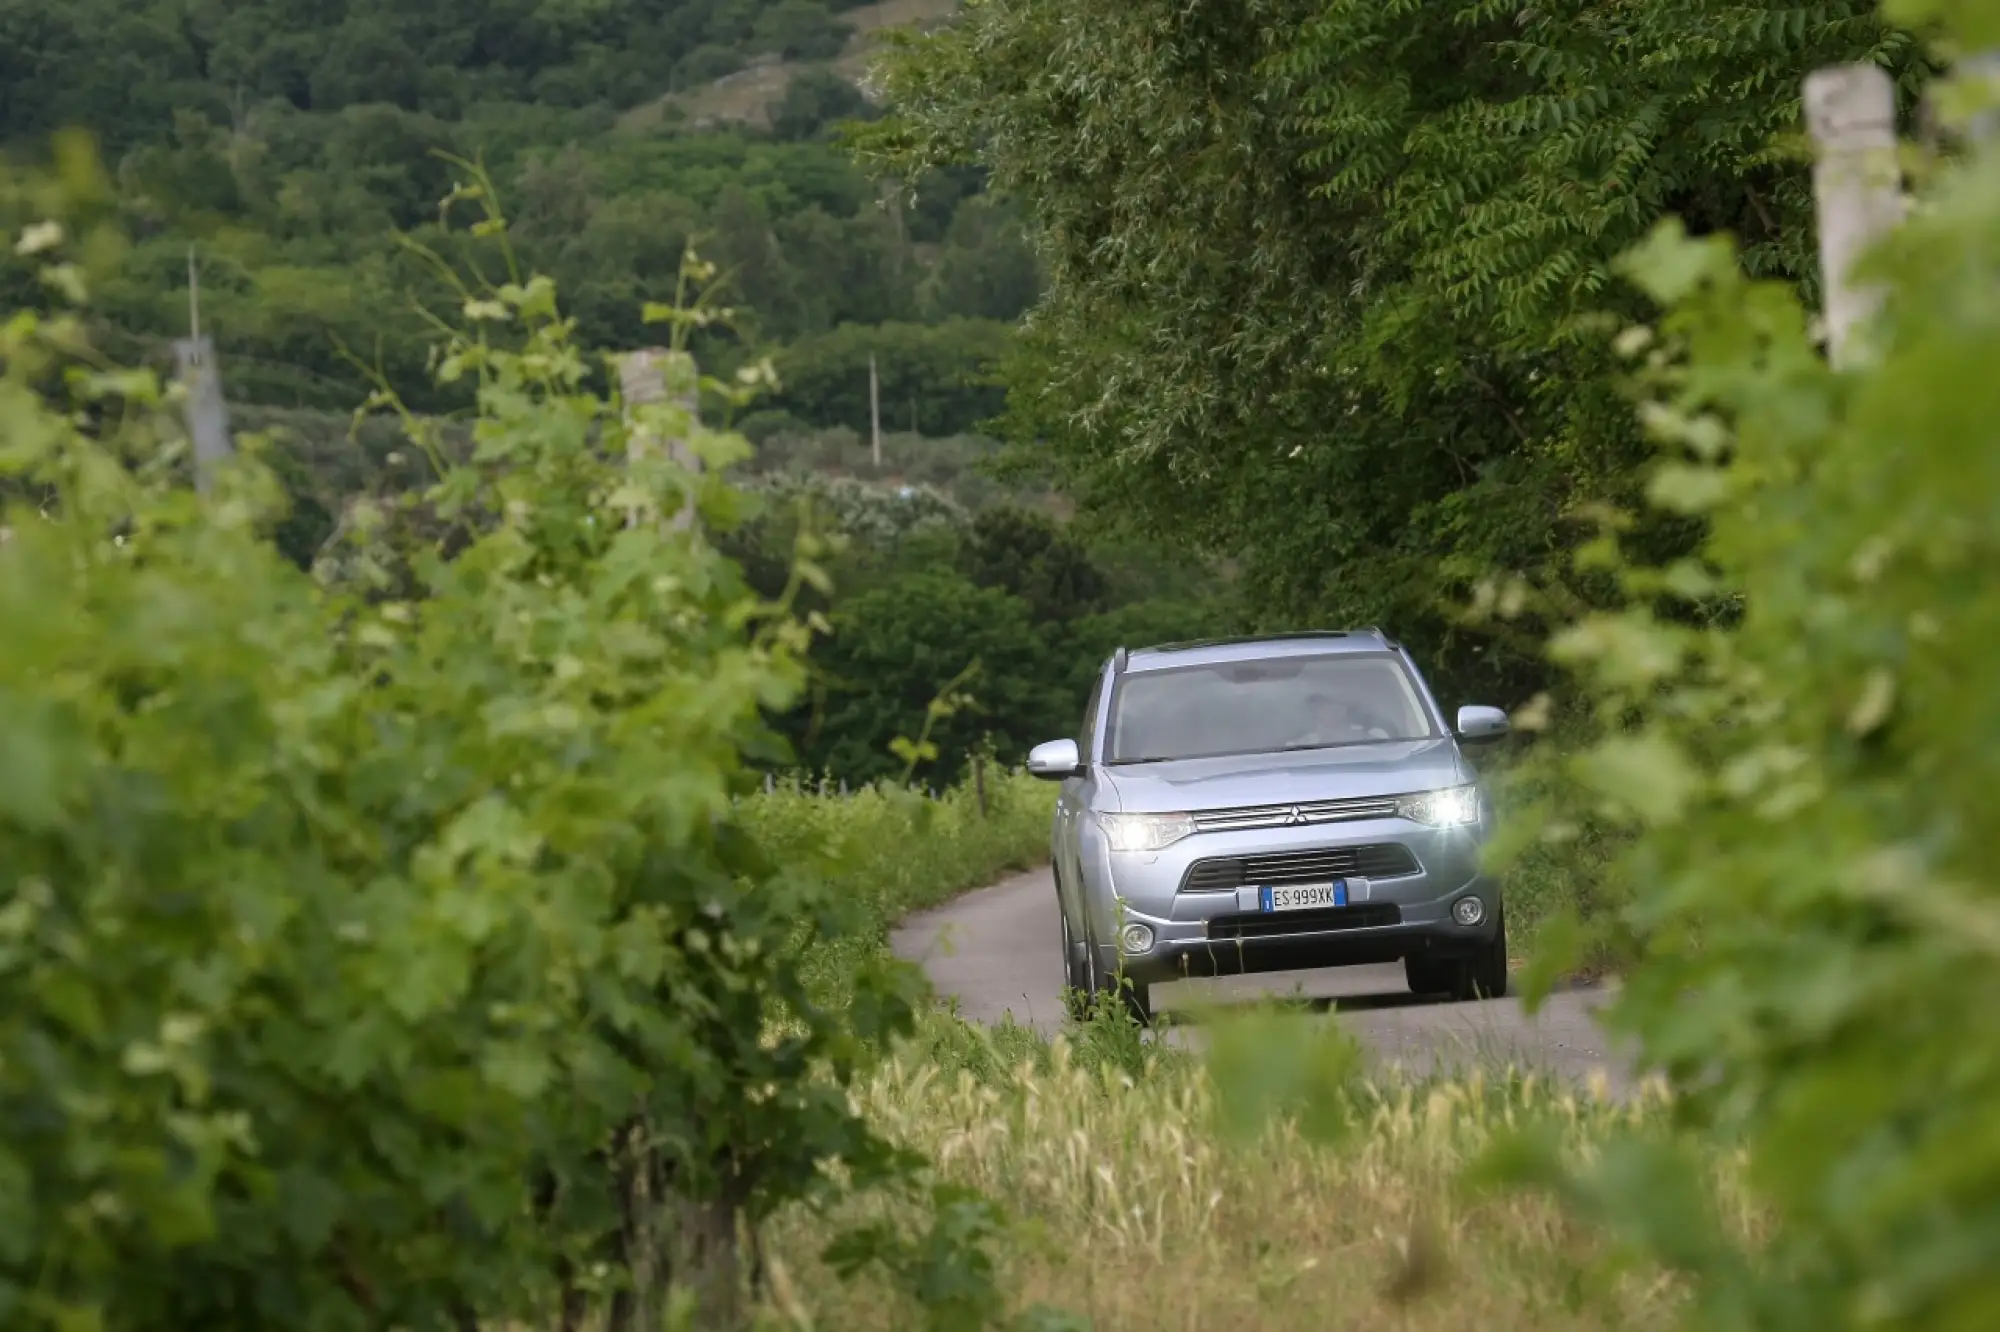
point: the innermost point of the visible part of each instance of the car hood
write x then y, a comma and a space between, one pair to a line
1346, 772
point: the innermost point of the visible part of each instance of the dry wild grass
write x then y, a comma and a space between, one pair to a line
1130, 1211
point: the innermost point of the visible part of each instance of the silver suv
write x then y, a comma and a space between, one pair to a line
1270, 804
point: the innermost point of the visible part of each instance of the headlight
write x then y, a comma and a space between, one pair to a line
1452, 808
1144, 832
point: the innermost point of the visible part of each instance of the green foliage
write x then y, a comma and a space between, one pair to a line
986, 267
920, 588
891, 645
289, 144
1807, 781
124, 69
933, 380
956, 1296
889, 850
814, 101
959, 467
368, 960
1321, 275
801, 30
1027, 554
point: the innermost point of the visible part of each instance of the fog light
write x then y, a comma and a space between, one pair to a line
1468, 911
1137, 938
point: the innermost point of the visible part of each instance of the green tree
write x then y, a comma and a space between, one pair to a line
814, 100
893, 647
1028, 555
801, 30
986, 269
1320, 275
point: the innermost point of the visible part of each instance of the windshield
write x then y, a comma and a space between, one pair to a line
1258, 707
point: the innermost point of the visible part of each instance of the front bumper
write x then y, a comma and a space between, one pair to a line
1199, 899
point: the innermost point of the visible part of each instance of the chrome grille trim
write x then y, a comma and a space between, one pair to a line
1292, 816
1218, 874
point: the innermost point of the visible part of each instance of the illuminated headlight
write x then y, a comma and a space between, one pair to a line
1144, 832
1454, 807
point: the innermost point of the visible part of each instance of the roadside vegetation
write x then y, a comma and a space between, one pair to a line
433, 924
1135, 1193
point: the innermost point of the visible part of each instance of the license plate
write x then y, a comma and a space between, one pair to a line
1303, 896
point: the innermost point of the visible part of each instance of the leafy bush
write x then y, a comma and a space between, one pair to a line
815, 99
878, 673
379, 961
1809, 777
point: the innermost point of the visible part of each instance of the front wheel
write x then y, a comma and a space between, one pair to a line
1479, 975
1484, 974
1428, 975
1077, 988
1137, 1000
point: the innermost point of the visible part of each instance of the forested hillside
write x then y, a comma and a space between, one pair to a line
302, 152
291, 143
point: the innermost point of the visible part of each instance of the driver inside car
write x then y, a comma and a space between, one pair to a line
1336, 721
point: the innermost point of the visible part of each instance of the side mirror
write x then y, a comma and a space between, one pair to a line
1055, 760
1479, 726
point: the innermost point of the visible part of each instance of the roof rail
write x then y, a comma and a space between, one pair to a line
1251, 638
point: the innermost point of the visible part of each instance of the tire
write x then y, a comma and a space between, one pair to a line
1484, 974
1428, 975
1137, 1001
1076, 984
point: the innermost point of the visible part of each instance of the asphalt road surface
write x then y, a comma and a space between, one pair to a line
997, 951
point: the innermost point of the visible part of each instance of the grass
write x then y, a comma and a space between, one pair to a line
896, 851
1129, 1205
1130, 1208
901, 851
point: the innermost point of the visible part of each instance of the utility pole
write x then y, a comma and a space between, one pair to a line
201, 378
1857, 191
642, 378
874, 413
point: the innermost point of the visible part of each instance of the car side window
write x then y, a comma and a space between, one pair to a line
1089, 733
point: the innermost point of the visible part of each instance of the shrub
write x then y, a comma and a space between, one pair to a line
1809, 778
379, 960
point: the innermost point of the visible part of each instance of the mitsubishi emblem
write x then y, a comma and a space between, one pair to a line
1293, 815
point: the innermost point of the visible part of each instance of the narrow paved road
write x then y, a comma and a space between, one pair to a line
997, 951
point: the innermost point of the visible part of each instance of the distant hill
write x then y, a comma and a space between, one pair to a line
297, 148
745, 96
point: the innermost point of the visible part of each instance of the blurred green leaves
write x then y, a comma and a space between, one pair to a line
346, 917
1807, 782
1272, 1066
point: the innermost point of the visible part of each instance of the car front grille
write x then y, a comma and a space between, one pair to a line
1220, 874
1290, 816
1262, 925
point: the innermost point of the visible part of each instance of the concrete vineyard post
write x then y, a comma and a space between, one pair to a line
1857, 192
644, 379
